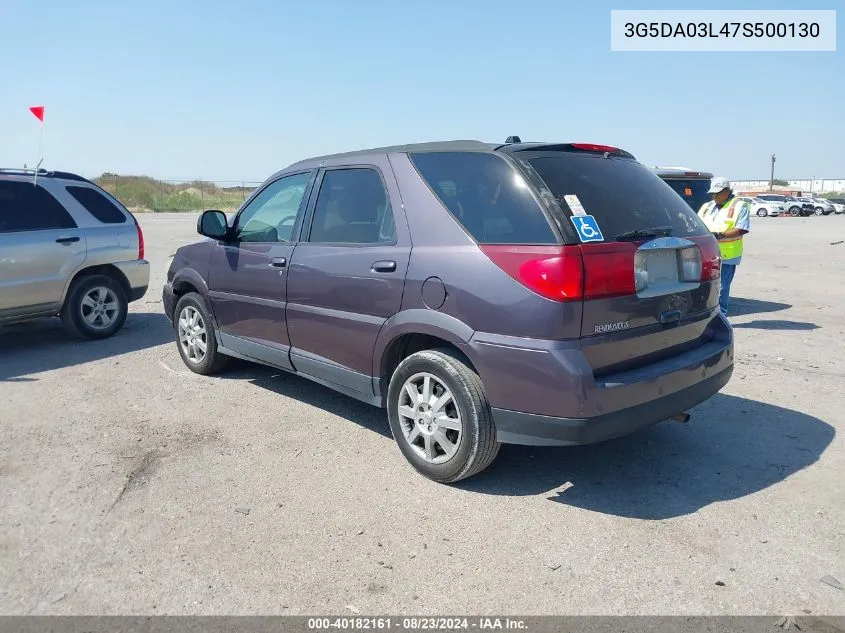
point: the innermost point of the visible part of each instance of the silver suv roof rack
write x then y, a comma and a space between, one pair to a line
23, 170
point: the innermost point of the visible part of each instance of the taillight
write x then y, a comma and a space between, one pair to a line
140, 241
691, 264
711, 257
554, 272
609, 269
569, 273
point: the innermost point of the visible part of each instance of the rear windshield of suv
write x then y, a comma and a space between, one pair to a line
489, 198
622, 194
692, 190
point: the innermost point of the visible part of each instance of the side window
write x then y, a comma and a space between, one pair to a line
486, 195
271, 215
24, 207
97, 205
353, 208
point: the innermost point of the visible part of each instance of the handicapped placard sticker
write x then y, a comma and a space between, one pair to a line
587, 228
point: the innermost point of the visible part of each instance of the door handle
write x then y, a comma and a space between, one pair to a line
67, 240
278, 262
385, 266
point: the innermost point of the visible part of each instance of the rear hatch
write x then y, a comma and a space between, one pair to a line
691, 186
649, 265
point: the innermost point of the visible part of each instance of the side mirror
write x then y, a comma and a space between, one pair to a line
213, 224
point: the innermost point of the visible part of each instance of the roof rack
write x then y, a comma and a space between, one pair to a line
41, 172
23, 170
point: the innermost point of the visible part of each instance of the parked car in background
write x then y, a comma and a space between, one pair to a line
691, 185
763, 208
525, 293
792, 206
838, 204
68, 249
820, 205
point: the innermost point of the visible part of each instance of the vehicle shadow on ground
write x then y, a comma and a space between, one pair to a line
777, 325
42, 345
742, 307
309, 392
731, 448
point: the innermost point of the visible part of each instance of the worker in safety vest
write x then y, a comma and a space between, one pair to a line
728, 219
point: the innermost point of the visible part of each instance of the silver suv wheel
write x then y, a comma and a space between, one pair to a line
99, 308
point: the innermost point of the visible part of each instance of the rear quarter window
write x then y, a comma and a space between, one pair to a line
97, 205
486, 195
621, 193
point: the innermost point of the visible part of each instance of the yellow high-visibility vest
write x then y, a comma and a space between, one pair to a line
721, 220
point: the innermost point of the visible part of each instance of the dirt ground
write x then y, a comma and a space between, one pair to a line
129, 485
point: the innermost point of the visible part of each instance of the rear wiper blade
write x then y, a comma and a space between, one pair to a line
657, 231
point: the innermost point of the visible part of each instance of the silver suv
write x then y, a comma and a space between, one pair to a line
68, 249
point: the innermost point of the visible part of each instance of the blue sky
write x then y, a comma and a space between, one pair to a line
232, 91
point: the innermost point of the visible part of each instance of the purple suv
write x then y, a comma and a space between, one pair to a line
525, 293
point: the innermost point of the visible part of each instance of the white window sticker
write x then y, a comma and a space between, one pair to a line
575, 204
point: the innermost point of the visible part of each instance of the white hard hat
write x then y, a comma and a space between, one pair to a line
718, 184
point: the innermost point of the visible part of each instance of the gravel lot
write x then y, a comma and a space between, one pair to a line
130, 486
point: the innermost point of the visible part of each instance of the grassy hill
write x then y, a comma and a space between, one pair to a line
142, 193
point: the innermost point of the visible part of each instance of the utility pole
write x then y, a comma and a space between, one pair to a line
772, 179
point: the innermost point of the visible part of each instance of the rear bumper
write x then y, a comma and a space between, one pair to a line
513, 427
137, 273
546, 392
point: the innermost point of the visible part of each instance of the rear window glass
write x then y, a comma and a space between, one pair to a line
694, 192
97, 205
622, 194
486, 195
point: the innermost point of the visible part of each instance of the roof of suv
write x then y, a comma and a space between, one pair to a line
436, 146
42, 173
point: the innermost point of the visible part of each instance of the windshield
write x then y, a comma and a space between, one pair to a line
622, 194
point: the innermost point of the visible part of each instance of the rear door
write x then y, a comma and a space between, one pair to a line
650, 237
347, 274
40, 249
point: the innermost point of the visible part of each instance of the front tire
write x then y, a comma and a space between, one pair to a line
819, 211
795, 211
440, 416
762, 213
196, 339
95, 308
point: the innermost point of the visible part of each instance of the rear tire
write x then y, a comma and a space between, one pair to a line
819, 211
447, 434
196, 339
795, 211
95, 307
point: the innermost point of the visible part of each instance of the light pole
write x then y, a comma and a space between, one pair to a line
772, 179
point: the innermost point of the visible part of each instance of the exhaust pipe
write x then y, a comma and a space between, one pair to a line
683, 418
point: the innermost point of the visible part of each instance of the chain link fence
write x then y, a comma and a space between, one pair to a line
143, 194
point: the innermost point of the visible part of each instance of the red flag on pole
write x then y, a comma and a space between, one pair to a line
38, 111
